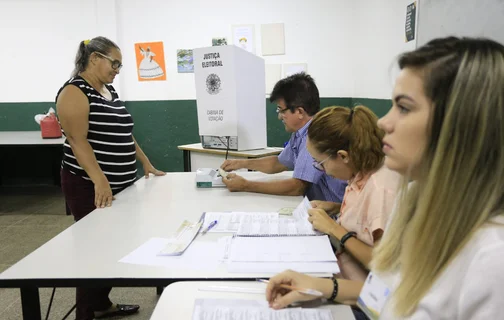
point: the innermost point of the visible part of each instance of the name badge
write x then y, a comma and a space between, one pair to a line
373, 296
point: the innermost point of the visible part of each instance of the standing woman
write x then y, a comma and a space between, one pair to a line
100, 152
441, 256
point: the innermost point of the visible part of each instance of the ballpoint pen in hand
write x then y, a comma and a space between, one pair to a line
301, 290
210, 226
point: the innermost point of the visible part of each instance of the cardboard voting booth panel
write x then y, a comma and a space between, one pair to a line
230, 98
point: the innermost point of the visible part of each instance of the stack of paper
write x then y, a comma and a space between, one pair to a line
210, 309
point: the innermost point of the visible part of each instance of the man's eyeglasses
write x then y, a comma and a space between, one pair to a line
116, 64
281, 111
320, 165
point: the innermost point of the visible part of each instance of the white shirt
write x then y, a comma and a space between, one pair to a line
471, 287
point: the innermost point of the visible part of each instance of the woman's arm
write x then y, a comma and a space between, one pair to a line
278, 298
358, 249
328, 206
73, 112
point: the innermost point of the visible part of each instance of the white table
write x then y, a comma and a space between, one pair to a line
87, 253
27, 138
195, 156
13, 141
177, 300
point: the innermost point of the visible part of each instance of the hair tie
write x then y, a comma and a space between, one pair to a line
350, 117
86, 42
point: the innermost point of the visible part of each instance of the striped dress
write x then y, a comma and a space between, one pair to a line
109, 134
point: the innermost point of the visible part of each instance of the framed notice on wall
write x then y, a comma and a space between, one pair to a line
411, 22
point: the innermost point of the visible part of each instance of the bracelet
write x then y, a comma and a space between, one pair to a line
335, 290
346, 237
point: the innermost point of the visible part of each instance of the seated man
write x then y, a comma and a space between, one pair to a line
297, 100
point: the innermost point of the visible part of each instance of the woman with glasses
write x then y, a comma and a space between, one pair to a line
100, 152
347, 144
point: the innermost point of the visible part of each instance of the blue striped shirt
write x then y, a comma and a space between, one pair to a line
296, 157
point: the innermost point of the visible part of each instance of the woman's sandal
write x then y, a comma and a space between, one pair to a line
122, 310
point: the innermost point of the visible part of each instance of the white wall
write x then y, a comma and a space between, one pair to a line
38, 43
379, 39
348, 45
316, 32
482, 18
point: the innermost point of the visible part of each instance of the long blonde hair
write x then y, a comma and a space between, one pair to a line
461, 181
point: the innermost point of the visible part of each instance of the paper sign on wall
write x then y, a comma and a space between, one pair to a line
150, 61
410, 27
219, 42
244, 37
272, 39
293, 68
273, 75
185, 63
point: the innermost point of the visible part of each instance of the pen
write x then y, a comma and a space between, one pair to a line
210, 226
305, 291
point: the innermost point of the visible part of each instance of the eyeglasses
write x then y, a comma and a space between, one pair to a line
320, 165
116, 64
281, 111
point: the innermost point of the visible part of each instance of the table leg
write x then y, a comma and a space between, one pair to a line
56, 157
30, 302
67, 209
187, 161
159, 290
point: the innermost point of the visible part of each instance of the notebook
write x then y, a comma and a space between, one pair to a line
240, 309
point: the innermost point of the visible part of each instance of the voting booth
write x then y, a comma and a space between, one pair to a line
230, 98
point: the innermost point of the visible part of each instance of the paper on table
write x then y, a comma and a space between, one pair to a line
277, 267
205, 256
183, 238
241, 309
282, 249
229, 221
301, 211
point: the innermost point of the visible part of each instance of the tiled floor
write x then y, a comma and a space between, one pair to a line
29, 217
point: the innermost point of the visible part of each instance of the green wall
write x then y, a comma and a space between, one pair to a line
19, 116
160, 126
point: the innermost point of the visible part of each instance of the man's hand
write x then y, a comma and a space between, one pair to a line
321, 221
230, 165
235, 183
